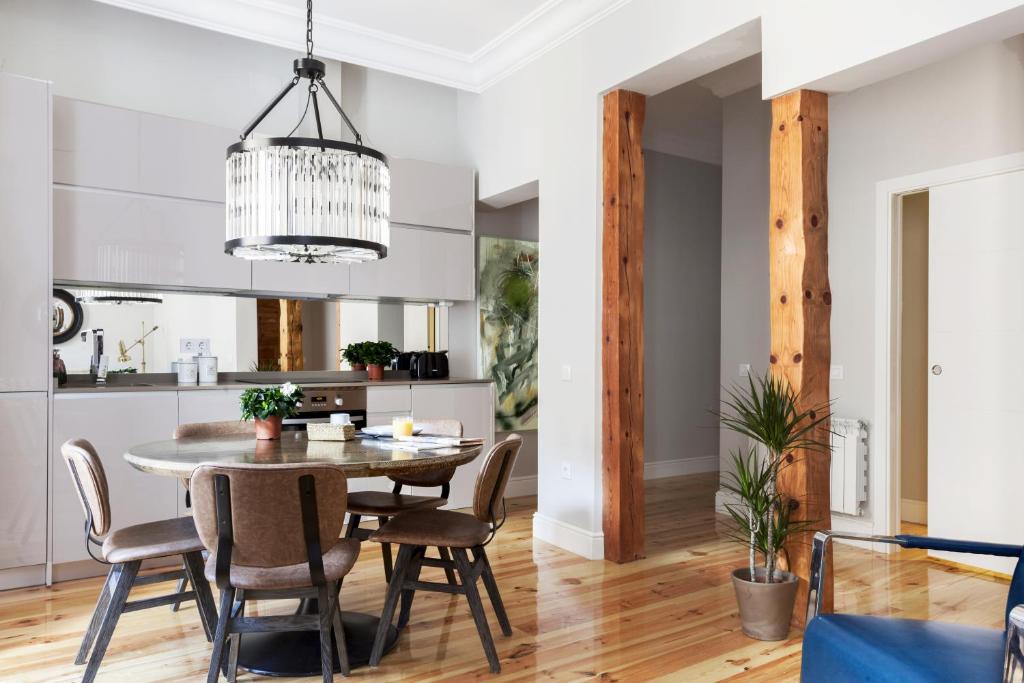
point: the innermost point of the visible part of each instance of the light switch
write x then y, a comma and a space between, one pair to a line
836, 372
566, 470
566, 373
744, 370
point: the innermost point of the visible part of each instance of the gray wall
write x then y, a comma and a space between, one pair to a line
746, 335
682, 250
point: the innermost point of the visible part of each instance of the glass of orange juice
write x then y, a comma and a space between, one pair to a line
401, 427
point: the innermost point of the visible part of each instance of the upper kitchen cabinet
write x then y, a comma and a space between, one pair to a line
125, 238
425, 265
25, 298
182, 158
274, 277
432, 195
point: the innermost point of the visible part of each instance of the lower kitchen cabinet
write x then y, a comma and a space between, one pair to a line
113, 422
209, 405
23, 480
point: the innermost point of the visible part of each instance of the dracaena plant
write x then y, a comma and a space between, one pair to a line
266, 402
768, 412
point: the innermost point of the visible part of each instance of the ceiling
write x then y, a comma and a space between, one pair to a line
466, 44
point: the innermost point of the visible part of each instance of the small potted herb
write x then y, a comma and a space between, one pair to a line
376, 355
766, 412
353, 355
268, 406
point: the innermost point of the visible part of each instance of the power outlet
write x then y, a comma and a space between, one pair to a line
194, 346
837, 372
744, 370
566, 470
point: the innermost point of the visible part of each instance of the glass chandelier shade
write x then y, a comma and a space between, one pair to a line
110, 296
305, 199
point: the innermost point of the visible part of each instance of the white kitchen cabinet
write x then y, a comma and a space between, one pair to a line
25, 296
182, 158
434, 195
208, 405
118, 238
323, 279
112, 422
473, 404
95, 145
394, 398
23, 479
425, 265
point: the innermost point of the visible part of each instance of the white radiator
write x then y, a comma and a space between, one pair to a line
849, 466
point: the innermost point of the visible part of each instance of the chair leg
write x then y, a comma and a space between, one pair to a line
449, 573
339, 633
390, 602
119, 596
476, 606
97, 614
326, 609
235, 639
492, 591
180, 588
412, 574
227, 599
204, 596
353, 524
385, 551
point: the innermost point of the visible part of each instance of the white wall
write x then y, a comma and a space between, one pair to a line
682, 308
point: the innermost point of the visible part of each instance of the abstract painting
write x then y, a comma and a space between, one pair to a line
508, 328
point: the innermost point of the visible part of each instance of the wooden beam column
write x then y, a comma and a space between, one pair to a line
801, 303
291, 335
623, 327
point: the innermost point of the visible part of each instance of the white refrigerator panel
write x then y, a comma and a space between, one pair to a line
22, 479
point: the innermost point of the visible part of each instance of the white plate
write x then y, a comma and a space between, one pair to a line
387, 432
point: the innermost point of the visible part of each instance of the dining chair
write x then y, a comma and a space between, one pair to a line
272, 532
459, 533
383, 506
125, 550
842, 648
202, 430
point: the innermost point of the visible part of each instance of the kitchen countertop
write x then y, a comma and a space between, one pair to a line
79, 384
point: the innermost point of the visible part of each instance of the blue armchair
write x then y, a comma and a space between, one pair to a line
841, 648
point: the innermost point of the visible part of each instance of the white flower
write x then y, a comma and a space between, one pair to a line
288, 388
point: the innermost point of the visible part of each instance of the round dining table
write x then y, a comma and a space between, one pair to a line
297, 653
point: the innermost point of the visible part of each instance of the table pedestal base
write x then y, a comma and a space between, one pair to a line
297, 653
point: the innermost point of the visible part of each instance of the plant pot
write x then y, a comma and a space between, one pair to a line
766, 609
269, 428
375, 372
359, 367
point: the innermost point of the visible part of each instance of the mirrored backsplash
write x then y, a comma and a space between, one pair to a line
183, 325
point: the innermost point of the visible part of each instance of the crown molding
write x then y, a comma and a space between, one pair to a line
272, 22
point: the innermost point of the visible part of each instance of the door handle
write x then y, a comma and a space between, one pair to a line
936, 369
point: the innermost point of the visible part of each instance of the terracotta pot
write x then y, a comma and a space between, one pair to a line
375, 372
359, 367
269, 428
766, 609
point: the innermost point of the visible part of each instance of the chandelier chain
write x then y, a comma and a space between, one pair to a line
309, 29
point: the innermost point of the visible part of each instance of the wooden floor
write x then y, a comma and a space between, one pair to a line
670, 617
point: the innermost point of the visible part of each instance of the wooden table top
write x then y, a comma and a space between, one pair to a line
359, 458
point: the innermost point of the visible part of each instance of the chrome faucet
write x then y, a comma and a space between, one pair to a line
97, 363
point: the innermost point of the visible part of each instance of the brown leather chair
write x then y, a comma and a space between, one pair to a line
125, 550
273, 533
384, 505
457, 532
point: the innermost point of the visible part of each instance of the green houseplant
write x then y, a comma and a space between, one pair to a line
268, 406
768, 412
353, 355
377, 354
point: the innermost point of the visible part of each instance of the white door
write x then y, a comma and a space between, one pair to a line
975, 338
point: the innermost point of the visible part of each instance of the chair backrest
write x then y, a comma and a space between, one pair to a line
207, 429
433, 477
266, 510
493, 478
90, 482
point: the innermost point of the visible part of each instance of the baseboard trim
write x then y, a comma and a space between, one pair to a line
521, 486
587, 544
915, 511
659, 469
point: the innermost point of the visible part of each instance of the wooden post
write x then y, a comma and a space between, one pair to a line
623, 327
268, 333
291, 335
801, 303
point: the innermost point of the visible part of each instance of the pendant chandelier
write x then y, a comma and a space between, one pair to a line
309, 200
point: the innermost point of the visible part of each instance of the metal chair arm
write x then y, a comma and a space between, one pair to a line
819, 552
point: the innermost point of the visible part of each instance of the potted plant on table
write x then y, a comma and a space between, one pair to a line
768, 413
353, 355
268, 406
376, 355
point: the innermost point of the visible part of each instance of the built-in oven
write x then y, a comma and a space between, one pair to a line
321, 401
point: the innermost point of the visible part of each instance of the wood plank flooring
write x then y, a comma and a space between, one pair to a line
669, 617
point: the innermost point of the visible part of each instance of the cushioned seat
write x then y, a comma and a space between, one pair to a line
153, 539
338, 561
841, 648
380, 503
442, 528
